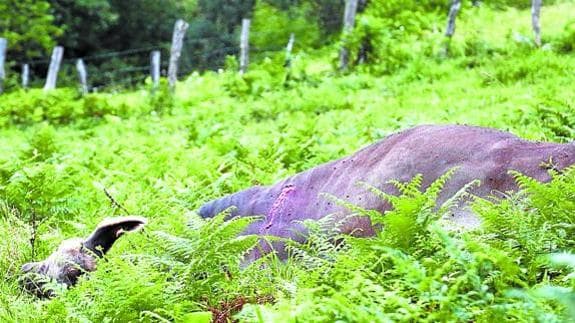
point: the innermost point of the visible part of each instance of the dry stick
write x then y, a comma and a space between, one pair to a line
25, 75
33, 234
177, 43
55, 62
82, 75
155, 58
118, 205
3, 46
348, 22
535, 13
114, 202
244, 46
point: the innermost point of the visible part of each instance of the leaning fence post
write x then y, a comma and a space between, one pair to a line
177, 43
82, 75
155, 58
348, 22
3, 46
450, 29
289, 49
245, 46
55, 62
535, 12
453, 11
25, 75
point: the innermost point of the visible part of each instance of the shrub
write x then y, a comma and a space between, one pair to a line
565, 43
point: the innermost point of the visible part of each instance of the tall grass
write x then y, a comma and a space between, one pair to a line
162, 157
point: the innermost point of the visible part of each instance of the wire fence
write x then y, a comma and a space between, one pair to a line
132, 66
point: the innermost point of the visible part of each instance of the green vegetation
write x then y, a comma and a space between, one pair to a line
115, 37
28, 26
162, 156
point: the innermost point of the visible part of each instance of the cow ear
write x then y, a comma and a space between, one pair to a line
109, 230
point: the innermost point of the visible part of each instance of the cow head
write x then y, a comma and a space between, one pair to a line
76, 256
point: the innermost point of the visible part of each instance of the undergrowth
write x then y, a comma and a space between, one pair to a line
162, 155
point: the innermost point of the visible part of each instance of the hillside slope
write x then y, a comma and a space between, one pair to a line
162, 156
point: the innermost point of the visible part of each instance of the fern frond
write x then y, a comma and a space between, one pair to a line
391, 199
229, 229
523, 181
435, 188
459, 197
410, 188
195, 221
181, 248
374, 215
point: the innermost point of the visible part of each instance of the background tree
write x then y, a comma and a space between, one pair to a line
215, 29
274, 21
29, 27
86, 22
143, 23
329, 13
95, 27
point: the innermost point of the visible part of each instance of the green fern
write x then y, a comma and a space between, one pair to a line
209, 257
412, 211
537, 221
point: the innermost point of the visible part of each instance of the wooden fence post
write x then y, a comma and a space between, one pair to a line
25, 75
3, 47
289, 49
245, 46
348, 22
450, 29
176, 51
82, 75
535, 13
155, 59
55, 62
453, 11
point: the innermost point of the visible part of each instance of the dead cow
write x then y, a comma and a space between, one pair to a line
76, 256
476, 153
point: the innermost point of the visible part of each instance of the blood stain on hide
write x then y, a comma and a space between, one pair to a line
278, 205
